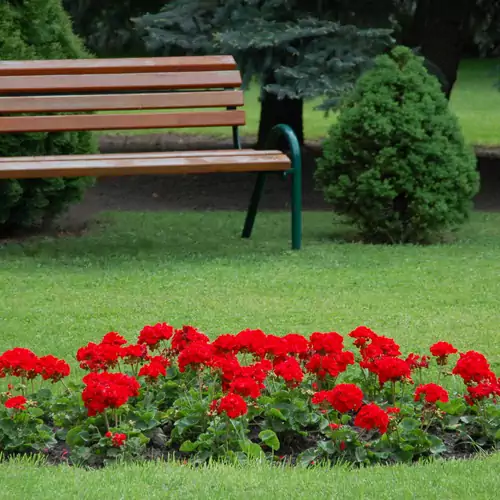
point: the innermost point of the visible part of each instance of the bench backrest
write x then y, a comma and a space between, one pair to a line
84, 85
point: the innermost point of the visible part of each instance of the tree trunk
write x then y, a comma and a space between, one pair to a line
440, 31
275, 111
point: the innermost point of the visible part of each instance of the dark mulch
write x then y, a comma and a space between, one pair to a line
221, 191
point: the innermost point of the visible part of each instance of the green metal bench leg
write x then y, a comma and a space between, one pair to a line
296, 174
254, 205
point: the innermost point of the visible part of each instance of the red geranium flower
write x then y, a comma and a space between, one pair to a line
98, 357
432, 393
19, 362
297, 344
290, 371
232, 405
133, 354
482, 391
154, 369
51, 368
473, 367
226, 344
327, 343
153, 335
246, 387
252, 341
331, 364
187, 335
362, 335
16, 403
113, 338
371, 417
196, 355
416, 362
441, 350
107, 390
117, 440
343, 397
389, 369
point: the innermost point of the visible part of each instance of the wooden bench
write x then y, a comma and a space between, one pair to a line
206, 89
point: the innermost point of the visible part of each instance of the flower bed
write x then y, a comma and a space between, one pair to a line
249, 396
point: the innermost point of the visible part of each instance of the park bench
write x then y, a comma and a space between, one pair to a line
179, 92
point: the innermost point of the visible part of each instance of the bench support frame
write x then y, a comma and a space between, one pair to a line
296, 188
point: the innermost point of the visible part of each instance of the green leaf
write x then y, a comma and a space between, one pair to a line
275, 413
251, 450
185, 423
455, 407
345, 419
437, 445
270, 438
327, 446
35, 412
360, 454
307, 457
188, 446
497, 435
409, 424
73, 437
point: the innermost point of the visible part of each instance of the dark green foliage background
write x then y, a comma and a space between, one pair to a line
395, 164
39, 29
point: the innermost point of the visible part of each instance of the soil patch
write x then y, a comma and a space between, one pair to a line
221, 191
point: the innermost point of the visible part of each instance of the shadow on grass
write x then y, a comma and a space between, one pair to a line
145, 239
118, 238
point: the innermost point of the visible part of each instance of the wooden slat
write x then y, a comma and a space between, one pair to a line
176, 100
137, 156
105, 167
131, 65
120, 122
52, 84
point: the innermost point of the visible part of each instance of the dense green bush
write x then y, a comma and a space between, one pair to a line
38, 29
395, 164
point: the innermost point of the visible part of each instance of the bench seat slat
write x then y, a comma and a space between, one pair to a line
100, 166
52, 84
120, 121
128, 65
132, 156
172, 100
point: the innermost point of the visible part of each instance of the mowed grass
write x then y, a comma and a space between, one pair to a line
478, 479
192, 268
475, 100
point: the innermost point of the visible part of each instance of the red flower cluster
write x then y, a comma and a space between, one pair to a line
372, 417
416, 362
117, 440
343, 398
157, 366
232, 405
390, 369
107, 390
482, 391
432, 393
441, 350
474, 368
16, 403
153, 335
290, 371
20, 362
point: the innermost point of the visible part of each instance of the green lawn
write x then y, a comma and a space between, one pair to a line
475, 100
134, 268
478, 479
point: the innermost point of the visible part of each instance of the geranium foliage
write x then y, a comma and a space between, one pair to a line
250, 396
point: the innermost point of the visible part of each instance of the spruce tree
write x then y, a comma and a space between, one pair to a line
395, 164
295, 48
39, 29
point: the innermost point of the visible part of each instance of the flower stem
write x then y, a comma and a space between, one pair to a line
106, 421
